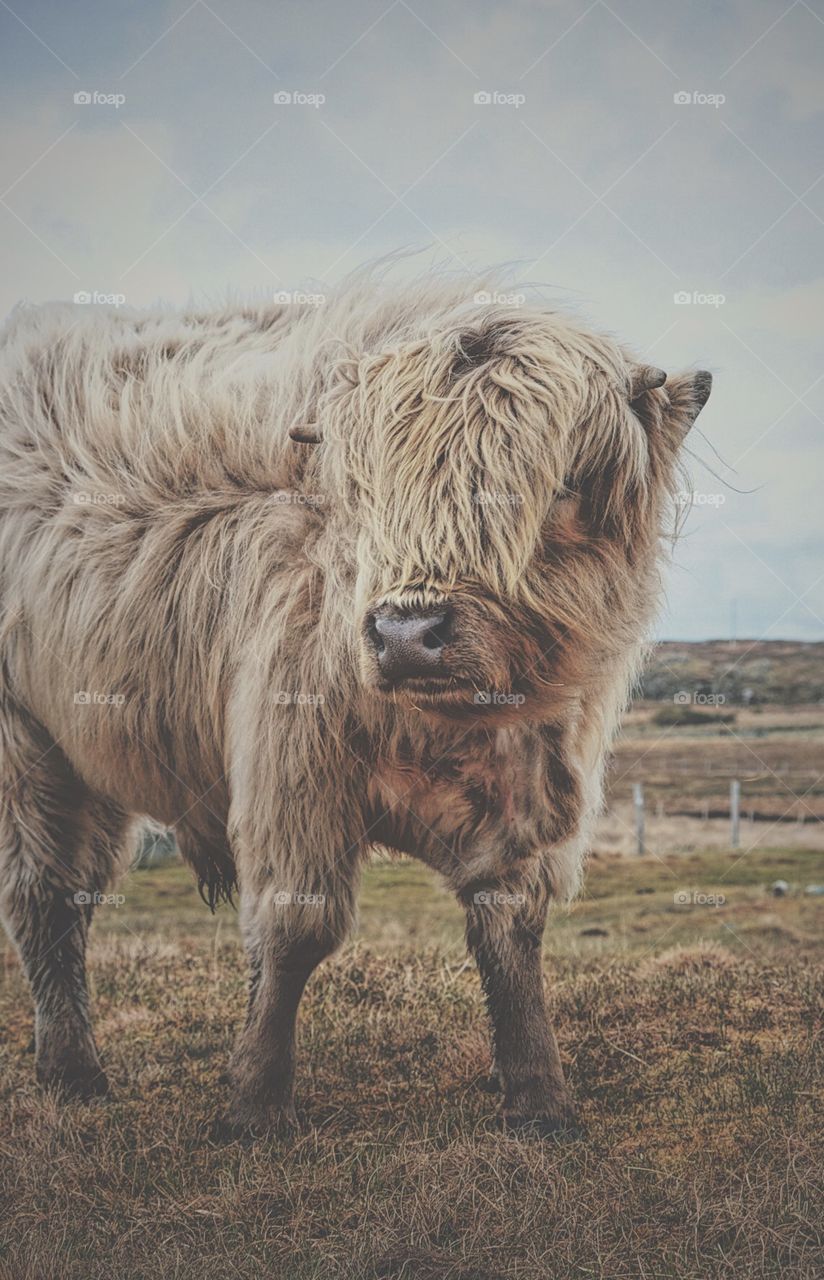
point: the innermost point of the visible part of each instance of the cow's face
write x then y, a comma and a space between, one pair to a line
504, 484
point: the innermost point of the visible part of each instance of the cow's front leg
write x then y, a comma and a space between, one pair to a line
504, 932
287, 934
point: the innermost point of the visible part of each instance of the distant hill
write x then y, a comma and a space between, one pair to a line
744, 671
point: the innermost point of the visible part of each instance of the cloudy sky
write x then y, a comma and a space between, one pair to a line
623, 155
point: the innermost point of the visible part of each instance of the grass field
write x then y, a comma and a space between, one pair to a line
690, 1034
776, 753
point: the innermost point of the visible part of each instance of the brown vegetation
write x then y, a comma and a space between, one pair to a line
690, 1037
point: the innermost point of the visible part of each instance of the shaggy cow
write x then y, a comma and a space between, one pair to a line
302, 580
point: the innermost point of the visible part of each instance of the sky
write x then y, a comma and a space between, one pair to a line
657, 168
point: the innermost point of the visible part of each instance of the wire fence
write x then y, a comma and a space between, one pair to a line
733, 805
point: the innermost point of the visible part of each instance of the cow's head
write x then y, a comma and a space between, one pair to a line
504, 480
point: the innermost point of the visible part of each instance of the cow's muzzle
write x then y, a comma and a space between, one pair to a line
410, 645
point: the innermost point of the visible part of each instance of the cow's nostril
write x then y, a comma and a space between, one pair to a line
375, 636
436, 636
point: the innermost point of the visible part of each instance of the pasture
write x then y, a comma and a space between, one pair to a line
686, 998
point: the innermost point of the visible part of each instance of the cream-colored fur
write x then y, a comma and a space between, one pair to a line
165, 545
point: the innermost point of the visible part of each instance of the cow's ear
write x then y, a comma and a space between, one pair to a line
688, 393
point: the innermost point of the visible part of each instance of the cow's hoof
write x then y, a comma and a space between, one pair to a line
74, 1080
563, 1126
250, 1123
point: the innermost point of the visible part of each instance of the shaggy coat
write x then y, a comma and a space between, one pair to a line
189, 596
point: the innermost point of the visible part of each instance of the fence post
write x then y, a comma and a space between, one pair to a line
735, 811
638, 801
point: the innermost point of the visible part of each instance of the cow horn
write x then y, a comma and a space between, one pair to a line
305, 433
643, 377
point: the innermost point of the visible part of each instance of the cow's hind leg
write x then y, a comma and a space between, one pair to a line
504, 934
58, 849
287, 934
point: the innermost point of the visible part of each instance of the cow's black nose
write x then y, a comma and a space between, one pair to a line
409, 644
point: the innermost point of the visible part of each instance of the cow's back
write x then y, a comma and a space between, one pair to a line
138, 459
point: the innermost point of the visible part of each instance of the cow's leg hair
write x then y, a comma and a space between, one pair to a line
58, 847
506, 943
50, 932
285, 943
254, 959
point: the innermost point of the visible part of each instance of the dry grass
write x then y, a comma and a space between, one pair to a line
668, 833
690, 1037
774, 752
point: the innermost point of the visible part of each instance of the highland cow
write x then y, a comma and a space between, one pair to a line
303, 580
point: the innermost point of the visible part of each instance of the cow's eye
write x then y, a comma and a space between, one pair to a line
565, 514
